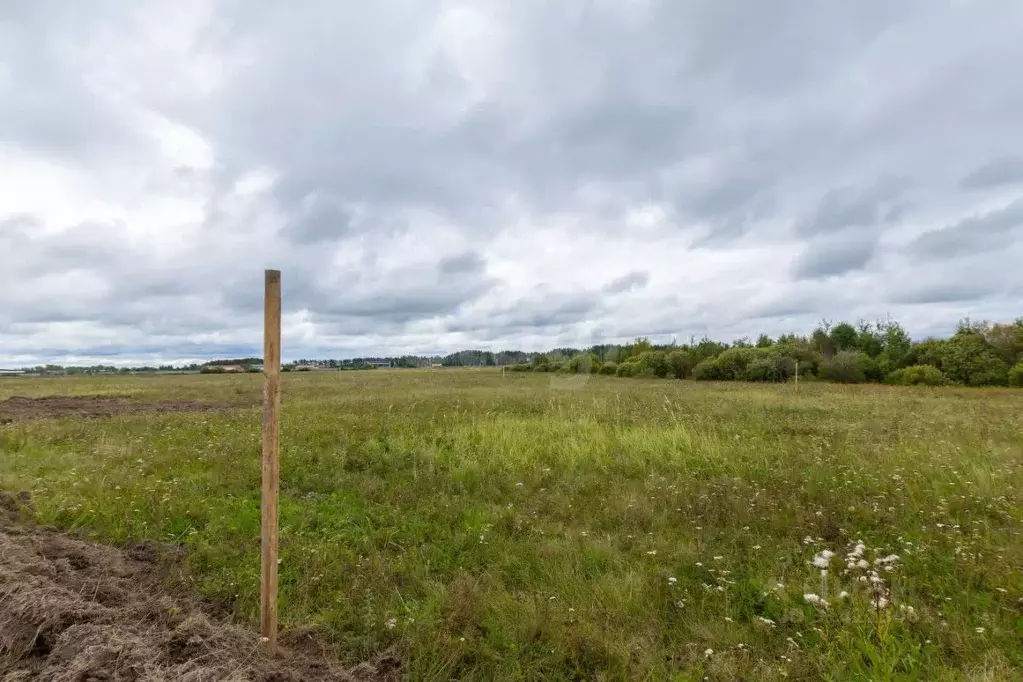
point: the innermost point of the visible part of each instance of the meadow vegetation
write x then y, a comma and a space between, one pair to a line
546, 526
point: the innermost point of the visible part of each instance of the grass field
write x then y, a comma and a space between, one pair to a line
538, 527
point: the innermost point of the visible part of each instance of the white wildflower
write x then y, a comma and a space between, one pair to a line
843, 595
672, 580
979, 631
708, 653
823, 559
391, 623
816, 600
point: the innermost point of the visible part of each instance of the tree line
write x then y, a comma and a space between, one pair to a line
977, 354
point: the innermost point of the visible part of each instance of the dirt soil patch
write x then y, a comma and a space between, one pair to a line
20, 407
71, 610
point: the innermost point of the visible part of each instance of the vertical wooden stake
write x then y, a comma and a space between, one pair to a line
797, 375
271, 436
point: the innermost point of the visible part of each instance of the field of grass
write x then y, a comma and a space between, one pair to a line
544, 528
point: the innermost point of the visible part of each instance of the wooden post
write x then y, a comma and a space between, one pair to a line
797, 375
271, 436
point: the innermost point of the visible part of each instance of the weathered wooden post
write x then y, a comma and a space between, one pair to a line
271, 469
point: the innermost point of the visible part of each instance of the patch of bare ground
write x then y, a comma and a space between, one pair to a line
72, 610
20, 407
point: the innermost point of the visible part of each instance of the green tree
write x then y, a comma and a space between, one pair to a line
895, 347
764, 341
844, 336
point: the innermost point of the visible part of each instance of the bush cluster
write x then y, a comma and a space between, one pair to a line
977, 354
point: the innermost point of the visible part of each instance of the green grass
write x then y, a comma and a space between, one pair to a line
528, 527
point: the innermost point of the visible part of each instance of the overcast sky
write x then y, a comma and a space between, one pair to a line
433, 175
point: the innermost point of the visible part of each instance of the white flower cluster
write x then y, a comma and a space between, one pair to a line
869, 576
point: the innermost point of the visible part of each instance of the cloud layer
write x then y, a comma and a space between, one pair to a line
433, 176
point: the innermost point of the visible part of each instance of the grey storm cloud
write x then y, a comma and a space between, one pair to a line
845, 207
630, 282
833, 257
432, 176
987, 232
1002, 171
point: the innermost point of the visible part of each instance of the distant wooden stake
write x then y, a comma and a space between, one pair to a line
797, 375
271, 469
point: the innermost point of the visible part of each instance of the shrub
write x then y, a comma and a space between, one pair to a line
628, 369
763, 369
848, 367
522, 367
680, 363
916, 375
580, 364
654, 362
966, 359
609, 369
707, 370
1016, 375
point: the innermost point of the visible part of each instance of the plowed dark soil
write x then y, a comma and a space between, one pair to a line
19, 407
76, 611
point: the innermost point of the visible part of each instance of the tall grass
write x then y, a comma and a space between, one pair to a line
517, 528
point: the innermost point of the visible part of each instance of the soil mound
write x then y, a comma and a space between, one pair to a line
76, 611
20, 407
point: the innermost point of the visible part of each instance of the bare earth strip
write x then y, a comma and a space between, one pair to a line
73, 610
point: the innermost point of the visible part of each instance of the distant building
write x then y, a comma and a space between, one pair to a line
378, 363
12, 372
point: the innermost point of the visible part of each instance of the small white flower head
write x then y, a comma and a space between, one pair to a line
672, 580
863, 564
652, 552
708, 653
391, 623
823, 559
766, 621
816, 600
880, 603
843, 595
979, 631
